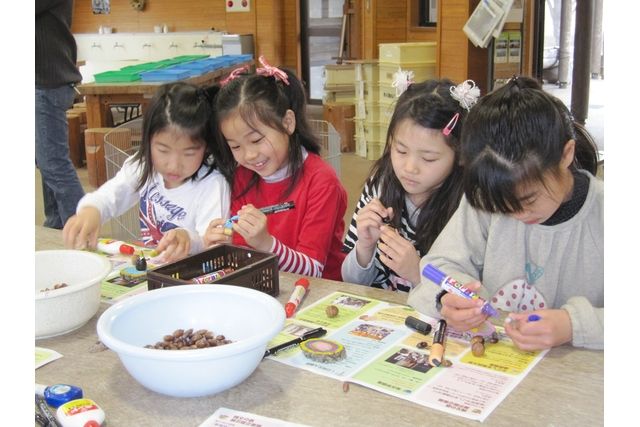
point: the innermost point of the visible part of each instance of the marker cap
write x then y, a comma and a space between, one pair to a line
433, 274
58, 394
302, 282
126, 249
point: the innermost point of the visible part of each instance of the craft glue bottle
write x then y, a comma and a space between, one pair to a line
115, 247
80, 413
57, 394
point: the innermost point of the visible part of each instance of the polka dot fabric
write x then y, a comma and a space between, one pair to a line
518, 296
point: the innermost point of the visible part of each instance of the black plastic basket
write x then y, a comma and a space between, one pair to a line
251, 269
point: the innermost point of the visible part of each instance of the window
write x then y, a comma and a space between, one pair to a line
427, 13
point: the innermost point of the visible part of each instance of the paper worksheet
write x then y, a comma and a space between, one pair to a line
385, 355
45, 355
225, 417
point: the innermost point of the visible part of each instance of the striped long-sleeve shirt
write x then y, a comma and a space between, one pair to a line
375, 273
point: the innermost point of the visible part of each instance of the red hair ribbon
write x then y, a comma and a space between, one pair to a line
268, 70
234, 74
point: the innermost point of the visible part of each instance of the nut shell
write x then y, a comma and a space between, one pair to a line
332, 311
477, 349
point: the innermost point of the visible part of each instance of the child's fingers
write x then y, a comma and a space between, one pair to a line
215, 236
215, 223
473, 286
93, 238
458, 302
375, 207
462, 319
370, 220
167, 240
85, 238
525, 341
69, 232
175, 250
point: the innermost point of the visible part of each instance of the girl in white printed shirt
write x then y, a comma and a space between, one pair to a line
174, 176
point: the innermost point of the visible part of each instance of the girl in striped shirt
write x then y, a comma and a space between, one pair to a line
413, 189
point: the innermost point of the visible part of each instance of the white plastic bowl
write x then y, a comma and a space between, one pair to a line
247, 317
59, 311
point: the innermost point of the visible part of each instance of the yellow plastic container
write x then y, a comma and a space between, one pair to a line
407, 52
339, 74
340, 96
421, 71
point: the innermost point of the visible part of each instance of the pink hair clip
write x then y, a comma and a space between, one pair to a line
234, 74
268, 70
452, 124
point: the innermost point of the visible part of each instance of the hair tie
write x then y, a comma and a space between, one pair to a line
466, 93
402, 80
268, 70
234, 75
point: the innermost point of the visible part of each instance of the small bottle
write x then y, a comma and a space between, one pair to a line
80, 413
115, 247
57, 394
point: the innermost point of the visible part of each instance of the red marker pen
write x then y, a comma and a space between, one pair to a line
299, 290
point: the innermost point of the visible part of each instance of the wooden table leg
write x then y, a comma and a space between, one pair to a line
98, 112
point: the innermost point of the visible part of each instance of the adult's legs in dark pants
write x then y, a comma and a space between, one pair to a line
61, 188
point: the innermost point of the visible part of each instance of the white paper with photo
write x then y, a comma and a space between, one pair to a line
384, 355
225, 417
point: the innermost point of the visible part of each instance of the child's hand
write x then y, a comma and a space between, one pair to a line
174, 245
216, 233
81, 230
252, 226
399, 254
369, 221
461, 313
553, 329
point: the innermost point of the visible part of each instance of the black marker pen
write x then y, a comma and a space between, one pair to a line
437, 349
267, 210
314, 333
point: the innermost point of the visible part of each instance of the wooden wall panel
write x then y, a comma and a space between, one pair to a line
291, 42
240, 22
421, 35
178, 15
269, 30
369, 19
458, 58
391, 25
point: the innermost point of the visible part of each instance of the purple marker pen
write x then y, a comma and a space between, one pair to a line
451, 285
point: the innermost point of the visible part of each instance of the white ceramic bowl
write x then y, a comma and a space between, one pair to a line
59, 311
249, 318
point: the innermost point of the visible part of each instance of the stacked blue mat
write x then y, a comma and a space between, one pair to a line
193, 68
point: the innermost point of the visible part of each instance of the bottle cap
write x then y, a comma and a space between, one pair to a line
289, 309
126, 249
433, 274
489, 310
302, 282
58, 394
418, 325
